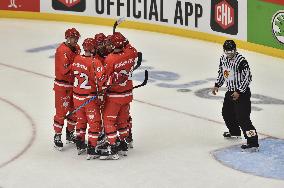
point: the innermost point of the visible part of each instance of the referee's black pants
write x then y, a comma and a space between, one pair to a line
236, 115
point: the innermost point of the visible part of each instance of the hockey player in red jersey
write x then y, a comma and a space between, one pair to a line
119, 66
100, 51
88, 73
63, 82
108, 45
129, 48
100, 54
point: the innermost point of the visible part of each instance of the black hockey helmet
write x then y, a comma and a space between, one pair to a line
229, 45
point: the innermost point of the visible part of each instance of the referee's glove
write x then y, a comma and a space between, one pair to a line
235, 96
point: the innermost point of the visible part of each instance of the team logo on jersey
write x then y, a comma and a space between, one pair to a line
91, 116
65, 104
224, 16
278, 26
226, 73
69, 5
65, 100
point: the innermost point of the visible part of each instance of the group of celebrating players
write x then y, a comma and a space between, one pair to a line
101, 72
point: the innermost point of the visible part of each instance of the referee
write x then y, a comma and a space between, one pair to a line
235, 72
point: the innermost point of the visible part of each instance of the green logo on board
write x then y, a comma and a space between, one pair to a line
278, 26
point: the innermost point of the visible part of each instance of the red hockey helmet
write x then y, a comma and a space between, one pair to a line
89, 44
72, 33
99, 38
125, 39
108, 39
108, 44
118, 40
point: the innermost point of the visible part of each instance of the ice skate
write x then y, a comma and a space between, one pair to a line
102, 139
110, 154
57, 142
92, 152
81, 146
250, 148
102, 147
129, 142
228, 135
129, 139
70, 137
122, 148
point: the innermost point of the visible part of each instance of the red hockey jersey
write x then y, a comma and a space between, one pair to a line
88, 76
122, 62
64, 57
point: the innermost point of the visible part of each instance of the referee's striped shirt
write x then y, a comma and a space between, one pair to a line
235, 72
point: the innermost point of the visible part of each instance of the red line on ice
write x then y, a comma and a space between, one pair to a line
32, 138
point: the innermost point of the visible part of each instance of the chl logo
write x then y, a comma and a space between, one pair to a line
224, 16
69, 5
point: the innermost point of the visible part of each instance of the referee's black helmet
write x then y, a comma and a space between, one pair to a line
229, 45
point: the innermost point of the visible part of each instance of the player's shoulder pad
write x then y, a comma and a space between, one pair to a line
63, 49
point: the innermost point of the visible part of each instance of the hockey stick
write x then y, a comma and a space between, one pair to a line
87, 102
138, 62
117, 22
101, 92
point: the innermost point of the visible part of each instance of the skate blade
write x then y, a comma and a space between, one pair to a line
58, 148
89, 157
251, 150
70, 142
110, 157
102, 150
233, 138
81, 151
